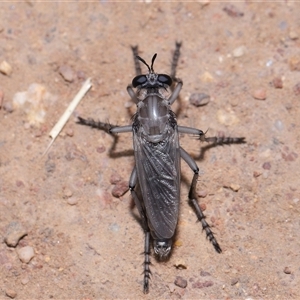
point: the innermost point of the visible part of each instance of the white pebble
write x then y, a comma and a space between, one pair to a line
240, 51
279, 126
227, 118
25, 254
293, 35
5, 68
235, 187
72, 201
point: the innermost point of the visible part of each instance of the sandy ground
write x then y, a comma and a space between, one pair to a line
59, 207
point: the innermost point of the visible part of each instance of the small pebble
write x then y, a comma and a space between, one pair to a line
81, 75
283, 25
200, 285
73, 152
25, 254
234, 101
259, 94
19, 183
293, 35
47, 258
267, 166
24, 280
15, 231
296, 89
207, 77
180, 264
11, 293
72, 201
235, 187
279, 126
265, 174
269, 63
256, 174
8, 107
204, 273
233, 11
70, 132
66, 72
203, 206
67, 193
227, 118
202, 194
240, 51
277, 82
105, 198
114, 227
234, 281
179, 281
120, 189
100, 149
171, 287
5, 68
128, 104
178, 243
115, 178
287, 270
294, 63
50, 166
290, 157
199, 99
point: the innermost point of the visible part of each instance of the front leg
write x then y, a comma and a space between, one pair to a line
175, 59
135, 52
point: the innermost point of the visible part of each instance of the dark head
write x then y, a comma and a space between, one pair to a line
151, 80
162, 248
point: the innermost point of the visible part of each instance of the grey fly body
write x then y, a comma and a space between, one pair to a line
155, 180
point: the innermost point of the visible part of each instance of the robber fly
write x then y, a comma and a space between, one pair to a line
155, 180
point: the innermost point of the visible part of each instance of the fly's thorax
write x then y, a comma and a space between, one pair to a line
153, 116
162, 248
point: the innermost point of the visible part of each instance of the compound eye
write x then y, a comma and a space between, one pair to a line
165, 79
139, 80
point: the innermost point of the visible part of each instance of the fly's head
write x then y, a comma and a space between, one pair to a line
151, 80
162, 248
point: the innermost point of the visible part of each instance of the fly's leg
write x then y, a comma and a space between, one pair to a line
107, 127
175, 92
139, 205
147, 262
96, 124
222, 140
175, 59
193, 199
132, 94
135, 52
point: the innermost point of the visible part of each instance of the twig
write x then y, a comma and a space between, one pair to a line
68, 112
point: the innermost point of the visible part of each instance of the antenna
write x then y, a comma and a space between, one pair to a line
152, 62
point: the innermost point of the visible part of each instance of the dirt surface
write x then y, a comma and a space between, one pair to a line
59, 207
